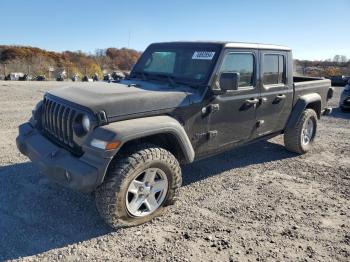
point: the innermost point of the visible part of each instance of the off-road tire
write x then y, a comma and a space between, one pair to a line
292, 135
111, 195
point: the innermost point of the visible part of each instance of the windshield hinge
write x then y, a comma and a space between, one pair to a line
102, 118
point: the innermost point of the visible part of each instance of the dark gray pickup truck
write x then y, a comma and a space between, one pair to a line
183, 101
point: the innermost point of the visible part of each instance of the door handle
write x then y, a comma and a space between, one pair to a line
280, 97
253, 101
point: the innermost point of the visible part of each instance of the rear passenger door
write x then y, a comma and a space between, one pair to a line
276, 91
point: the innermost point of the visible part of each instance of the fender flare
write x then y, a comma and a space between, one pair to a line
299, 107
128, 130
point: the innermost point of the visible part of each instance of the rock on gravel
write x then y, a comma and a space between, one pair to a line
257, 203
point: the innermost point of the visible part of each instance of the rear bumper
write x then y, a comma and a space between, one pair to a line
78, 173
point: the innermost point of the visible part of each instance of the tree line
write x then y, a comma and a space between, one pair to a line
36, 61
339, 65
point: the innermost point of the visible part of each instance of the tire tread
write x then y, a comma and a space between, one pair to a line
292, 139
107, 194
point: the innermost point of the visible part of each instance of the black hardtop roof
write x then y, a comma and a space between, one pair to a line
230, 44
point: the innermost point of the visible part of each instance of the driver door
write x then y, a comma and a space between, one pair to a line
235, 120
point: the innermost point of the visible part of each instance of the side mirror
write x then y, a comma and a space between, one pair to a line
229, 81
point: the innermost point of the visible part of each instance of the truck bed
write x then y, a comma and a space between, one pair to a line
305, 85
298, 79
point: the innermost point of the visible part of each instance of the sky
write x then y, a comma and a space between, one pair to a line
314, 29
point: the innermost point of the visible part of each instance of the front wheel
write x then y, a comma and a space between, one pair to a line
300, 138
138, 186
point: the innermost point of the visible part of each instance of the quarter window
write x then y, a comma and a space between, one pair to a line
274, 69
242, 63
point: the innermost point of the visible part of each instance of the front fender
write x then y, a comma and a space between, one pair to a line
142, 127
128, 130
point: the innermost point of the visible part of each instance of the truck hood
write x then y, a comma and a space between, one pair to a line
123, 99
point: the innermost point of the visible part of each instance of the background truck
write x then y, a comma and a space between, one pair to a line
183, 101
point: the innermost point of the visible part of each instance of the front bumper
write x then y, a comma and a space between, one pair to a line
79, 173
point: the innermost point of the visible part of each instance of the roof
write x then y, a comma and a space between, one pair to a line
236, 44
256, 46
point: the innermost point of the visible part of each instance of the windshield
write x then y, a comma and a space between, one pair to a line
180, 63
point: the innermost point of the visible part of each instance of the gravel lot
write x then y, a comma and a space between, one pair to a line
257, 203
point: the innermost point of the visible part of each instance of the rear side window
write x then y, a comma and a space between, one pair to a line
274, 69
242, 63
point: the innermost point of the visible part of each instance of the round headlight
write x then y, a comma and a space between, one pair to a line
86, 123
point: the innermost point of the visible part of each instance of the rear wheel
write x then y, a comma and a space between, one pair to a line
300, 138
138, 186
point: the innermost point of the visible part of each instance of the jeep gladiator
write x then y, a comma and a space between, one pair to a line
183, 101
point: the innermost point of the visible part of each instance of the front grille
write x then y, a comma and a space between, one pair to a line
57, 121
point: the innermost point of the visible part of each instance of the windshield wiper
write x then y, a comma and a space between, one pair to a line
170, 79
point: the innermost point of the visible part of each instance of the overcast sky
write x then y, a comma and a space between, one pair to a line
314, 29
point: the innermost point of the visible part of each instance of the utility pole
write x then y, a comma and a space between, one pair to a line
4, 69
129, 38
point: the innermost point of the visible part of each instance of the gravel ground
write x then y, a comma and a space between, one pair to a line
257, 203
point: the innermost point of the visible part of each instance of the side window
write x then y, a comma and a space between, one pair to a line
242, 63
274, 69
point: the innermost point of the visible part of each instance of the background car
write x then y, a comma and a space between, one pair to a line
107, 78
344, 103
86, 79
39, 78
25, 78
95, 77
339, 80
118, 75
75, 78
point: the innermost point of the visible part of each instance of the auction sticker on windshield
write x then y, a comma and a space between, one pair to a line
203, 55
